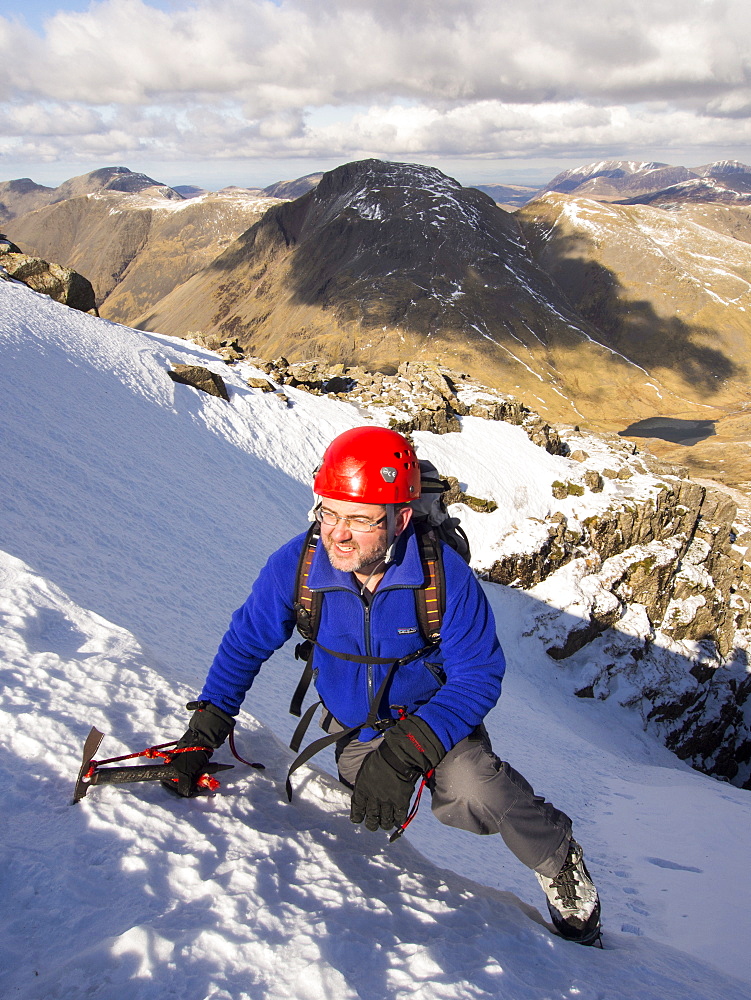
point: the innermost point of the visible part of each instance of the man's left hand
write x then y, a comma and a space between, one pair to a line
385, 782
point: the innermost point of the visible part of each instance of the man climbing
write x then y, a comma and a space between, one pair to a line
401, 706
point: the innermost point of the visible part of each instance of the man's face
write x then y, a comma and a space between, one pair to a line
358, 551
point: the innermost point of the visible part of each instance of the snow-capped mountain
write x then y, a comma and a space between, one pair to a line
136, 513
617, 178
386, 262
649, 183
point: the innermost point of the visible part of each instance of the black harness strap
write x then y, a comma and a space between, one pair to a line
371, 722
307, 647
302, 726
295, 706
430, 600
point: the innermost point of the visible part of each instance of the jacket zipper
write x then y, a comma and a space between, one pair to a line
368, 645
368, 652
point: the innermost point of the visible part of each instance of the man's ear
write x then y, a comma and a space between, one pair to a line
403, 518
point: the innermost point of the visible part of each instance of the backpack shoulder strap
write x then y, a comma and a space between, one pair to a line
307, 605
430, 598
306, 602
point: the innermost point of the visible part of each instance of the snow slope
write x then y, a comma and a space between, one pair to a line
136, 513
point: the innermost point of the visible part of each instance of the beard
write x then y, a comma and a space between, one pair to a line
360, 558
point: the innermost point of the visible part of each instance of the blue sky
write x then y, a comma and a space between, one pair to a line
34, 13
218, 92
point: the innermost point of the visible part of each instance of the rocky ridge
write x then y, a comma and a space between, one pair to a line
413, 397
662, 564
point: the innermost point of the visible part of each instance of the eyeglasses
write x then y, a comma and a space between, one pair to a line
355, 522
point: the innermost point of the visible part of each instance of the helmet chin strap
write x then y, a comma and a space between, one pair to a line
391, 537
390, 533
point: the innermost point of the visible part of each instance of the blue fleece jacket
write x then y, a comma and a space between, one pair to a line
469, 657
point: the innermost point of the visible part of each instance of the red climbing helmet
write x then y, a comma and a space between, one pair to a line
369, 464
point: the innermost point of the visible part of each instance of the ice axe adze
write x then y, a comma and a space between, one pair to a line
93, 773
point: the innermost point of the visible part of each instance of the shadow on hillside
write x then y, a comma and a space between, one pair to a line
633, 327
357, 281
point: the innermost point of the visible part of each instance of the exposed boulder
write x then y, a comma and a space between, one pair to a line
63, 284
200, 378
260, 383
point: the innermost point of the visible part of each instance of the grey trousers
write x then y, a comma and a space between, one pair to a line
474, 790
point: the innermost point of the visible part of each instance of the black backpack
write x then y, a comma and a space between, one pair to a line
429, 513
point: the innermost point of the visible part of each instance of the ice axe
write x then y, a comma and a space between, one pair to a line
93, 772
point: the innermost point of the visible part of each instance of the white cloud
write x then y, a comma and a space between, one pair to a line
253, 78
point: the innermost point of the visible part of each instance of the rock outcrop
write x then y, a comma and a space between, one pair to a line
63, 284
415, 397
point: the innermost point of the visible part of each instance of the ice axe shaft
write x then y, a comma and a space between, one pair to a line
145, 772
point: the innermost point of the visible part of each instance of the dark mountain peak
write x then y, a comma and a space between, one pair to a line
23, 186
383, 262
400, 196
22, 195
379, 174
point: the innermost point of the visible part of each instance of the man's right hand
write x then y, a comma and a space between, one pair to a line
208, 728
190, 765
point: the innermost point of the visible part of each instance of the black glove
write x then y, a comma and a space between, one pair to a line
385, 782
209, 727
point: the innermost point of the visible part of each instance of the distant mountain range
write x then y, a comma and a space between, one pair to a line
619, 292
133, 238
626, 180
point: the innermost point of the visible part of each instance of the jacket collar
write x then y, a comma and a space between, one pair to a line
405, 571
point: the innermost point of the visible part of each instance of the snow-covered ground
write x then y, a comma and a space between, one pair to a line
135, 515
